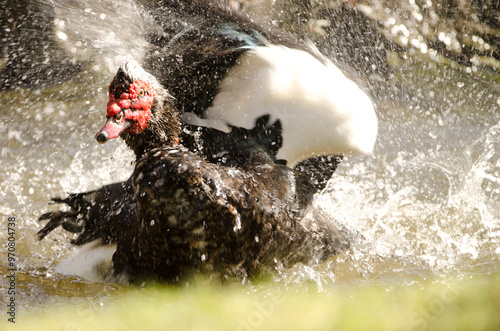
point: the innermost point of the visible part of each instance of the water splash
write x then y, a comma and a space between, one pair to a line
426, 202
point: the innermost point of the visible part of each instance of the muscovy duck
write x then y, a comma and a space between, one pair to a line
198, 216
210, 67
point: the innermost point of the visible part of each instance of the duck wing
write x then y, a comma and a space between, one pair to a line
98, 214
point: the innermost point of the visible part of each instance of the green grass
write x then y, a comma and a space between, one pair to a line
471, 305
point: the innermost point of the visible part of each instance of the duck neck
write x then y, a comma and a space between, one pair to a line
164, 128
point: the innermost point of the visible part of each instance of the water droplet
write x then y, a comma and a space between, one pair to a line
61, 35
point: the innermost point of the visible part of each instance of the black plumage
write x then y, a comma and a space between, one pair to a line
99, 214
195, 216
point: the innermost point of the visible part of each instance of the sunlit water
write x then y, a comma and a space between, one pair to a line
426, 202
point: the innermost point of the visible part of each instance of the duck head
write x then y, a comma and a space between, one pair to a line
139, 110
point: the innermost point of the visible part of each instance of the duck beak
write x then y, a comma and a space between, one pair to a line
112, 129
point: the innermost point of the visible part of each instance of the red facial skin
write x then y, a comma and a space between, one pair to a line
128, 112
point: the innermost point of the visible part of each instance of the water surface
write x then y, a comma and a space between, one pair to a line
426, 202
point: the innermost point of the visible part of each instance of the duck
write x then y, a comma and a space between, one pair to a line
196, 216
240, 110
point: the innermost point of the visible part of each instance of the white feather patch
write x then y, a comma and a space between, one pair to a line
321, 111
92, 261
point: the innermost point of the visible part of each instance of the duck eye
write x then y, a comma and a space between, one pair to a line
141, 92
118, 117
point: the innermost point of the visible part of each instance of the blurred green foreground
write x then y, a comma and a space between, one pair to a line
471, 304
